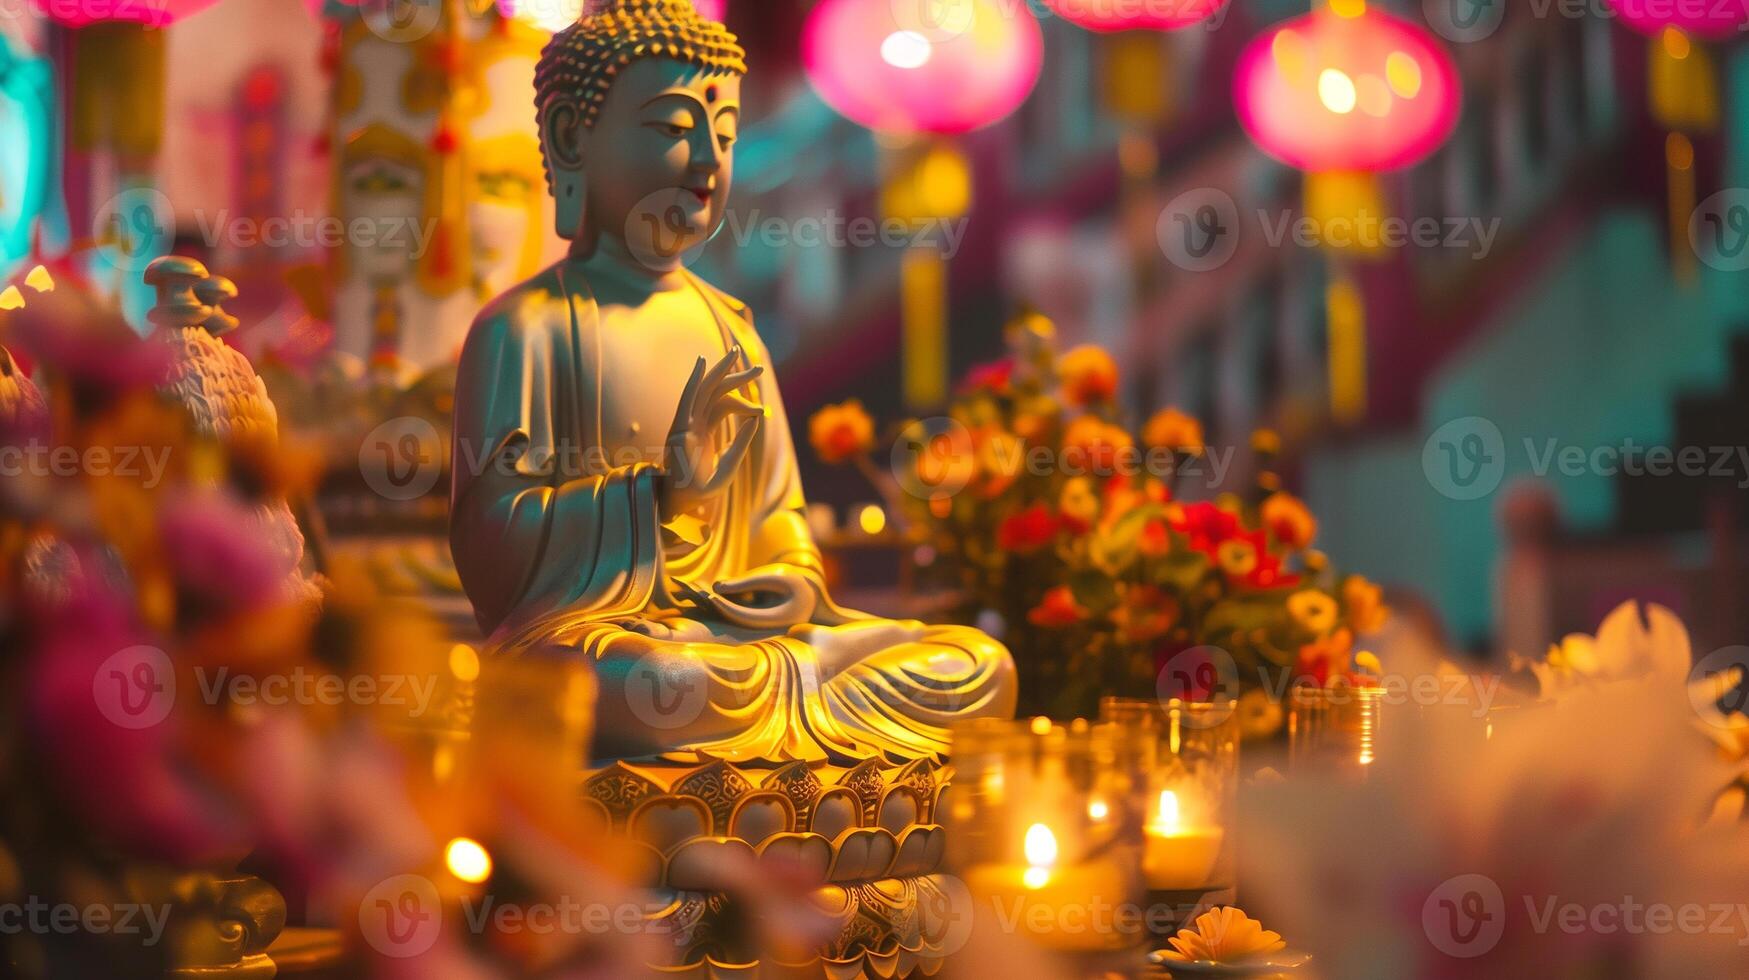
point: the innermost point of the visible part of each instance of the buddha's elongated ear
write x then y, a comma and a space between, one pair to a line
561, 133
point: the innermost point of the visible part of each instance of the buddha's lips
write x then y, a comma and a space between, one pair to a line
702, 193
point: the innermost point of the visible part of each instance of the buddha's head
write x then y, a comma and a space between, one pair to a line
639, 106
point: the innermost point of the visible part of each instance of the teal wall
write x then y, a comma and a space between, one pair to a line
1594, 356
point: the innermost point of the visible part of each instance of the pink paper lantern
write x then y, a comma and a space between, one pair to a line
1135, 15
1327, 92
1711, 19
921, 66
153, 13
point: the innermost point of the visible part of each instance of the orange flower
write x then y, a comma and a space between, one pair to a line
1088, 375
1322, 659
1313, 610
1172, 429
1364, 601
1154, 540
1289, 520
839, 432
1091, 444
1057, 609
1001, 456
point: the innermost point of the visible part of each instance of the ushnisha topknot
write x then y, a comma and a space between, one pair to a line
579, 65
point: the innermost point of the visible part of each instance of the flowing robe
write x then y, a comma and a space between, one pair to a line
555, 531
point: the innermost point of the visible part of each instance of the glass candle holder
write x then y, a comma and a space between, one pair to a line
1183, 758
1040, 834
1334, 729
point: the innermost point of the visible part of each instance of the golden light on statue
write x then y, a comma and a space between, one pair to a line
467, 860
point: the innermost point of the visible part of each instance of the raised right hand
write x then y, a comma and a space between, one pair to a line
688, 477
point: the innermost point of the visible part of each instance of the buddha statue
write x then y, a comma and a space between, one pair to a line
625, 484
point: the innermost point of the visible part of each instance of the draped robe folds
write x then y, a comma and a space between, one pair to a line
555, 531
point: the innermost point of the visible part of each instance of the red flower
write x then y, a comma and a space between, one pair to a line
993, 377
1027, 531
1057, 609
1318, 659
1206, 525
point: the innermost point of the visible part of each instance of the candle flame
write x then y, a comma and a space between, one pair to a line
1041, 846
1168, 818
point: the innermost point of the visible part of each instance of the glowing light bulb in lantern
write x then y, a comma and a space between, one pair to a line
1713, 21
1330, 91
1135, 15
922, 66
156, 13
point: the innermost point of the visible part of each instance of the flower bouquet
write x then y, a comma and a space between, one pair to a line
1080, 542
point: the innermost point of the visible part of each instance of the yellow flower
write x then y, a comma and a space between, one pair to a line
1266, 442
840, 432
1260, 715
1172, 429
1223, 935
1314, 610
1289, 520
1088, 375
1000, 456
1365, 604
1079, 503
1237, 557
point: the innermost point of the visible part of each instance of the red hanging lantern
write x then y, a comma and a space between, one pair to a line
1709, 19
1135, 15
1329, 91
939, 68
1345, 93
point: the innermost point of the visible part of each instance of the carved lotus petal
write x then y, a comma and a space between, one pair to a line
666, 822
837, 811
920, 851
761, 815
864, 855
899, 810
697, 866
809, 854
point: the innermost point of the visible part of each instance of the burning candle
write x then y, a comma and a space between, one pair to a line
1050, 901
1177, 857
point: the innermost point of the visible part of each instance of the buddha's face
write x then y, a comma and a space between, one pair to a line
660, 158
